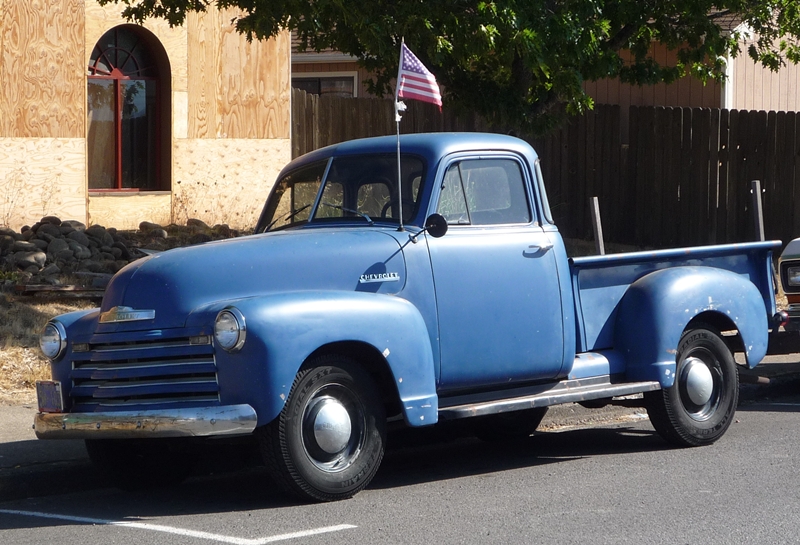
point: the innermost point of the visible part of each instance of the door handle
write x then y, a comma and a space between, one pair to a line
536, 249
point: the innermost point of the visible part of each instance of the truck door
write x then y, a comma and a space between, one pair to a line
497, 291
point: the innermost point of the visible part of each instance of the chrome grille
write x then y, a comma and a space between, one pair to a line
143, 373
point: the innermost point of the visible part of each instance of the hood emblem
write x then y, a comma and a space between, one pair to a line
379, 277
126, 314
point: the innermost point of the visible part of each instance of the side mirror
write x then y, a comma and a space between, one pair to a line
436, 225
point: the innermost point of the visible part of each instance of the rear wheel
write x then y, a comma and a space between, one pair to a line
698, 408
329, 439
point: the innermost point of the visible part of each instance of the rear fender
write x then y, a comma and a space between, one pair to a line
658, 307
283, 330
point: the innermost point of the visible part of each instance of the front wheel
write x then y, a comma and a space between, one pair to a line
698, 408
329, 439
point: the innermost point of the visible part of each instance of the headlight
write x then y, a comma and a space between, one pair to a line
53, 340
793, 276
230, 329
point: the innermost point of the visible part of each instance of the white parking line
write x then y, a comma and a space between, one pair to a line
182, 531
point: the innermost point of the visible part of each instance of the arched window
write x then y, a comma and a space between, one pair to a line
125, 133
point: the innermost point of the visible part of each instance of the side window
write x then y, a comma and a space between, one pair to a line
452, 203
484, 192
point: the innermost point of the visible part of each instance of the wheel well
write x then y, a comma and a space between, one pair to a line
372, 361
723, 324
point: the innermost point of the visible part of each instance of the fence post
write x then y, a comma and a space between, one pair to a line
598, 227
758, 210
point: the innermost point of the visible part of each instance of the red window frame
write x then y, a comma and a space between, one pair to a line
135, 65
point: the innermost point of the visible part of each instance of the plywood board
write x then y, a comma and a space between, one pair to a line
42, 177
236, 89
225, 180
129, 210
41, 56
101, 19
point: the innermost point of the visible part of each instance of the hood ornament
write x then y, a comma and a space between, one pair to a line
126, 314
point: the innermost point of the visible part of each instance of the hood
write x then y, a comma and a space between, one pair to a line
176, 282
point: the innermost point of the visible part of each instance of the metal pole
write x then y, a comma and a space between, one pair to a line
598, 227
398, 108
758, 210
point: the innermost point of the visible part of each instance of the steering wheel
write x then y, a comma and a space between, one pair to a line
392, 205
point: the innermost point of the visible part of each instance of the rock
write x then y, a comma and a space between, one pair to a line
147, 226
80, 251
79, 237
6, 242
192, 222
57, 245
222, 230
50, 270
24, 246
28, 260
52, 220
49, 229
27, 234
89, 265
76, 225
39, 243
66, 229
158, 233
199, 238
123, 249
64, 255
99, 233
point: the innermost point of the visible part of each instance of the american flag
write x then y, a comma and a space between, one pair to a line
414, 81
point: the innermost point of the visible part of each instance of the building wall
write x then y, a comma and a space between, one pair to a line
230, 117
757, 88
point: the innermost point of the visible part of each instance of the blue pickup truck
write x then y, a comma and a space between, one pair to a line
361, 302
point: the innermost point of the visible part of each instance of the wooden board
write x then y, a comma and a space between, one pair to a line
42, 177
226, 180
41, 49
127, 211
236, 89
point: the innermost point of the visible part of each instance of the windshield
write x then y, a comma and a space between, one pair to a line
360, 188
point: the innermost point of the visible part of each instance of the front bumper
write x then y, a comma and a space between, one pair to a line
199, 422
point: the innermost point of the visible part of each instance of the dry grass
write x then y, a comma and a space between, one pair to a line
21, 362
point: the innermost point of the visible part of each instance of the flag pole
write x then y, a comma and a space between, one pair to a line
399, 107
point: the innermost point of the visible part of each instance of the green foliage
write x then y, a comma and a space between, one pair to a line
515, 60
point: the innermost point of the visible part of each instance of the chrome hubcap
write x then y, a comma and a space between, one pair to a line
698, 381
332, 426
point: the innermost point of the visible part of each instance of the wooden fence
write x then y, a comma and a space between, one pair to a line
683, 179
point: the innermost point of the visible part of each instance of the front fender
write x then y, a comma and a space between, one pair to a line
656, 309
284, 329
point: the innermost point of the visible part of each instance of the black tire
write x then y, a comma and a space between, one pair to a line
506, 427
698, 408
142, 464
329, 439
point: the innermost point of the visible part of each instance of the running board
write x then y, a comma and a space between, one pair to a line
542, 395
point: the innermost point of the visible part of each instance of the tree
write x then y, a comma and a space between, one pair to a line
515, 60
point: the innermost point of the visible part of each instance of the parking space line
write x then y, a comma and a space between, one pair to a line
182, 531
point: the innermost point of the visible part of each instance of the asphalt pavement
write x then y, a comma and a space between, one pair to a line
31, 468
